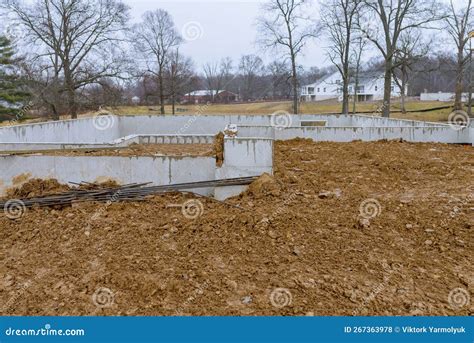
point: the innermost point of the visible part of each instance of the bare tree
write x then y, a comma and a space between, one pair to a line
156, 37
280, 74
250, 68
357, 52
383, 24
285, 27
458, 24
217, 75
338, 18
412, 48
179, 75
75, 37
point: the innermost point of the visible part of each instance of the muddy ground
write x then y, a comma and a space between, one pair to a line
383, 228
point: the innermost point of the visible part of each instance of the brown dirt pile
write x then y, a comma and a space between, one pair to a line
265, 185
37, 188
154, 258
219, 148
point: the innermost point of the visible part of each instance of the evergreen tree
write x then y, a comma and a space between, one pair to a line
12, 90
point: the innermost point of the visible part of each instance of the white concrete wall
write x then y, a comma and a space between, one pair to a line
158, 170
121, 142
415, 133
243, 157
348, 134
87, 130
440, 96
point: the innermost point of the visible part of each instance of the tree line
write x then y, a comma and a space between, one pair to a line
73, 55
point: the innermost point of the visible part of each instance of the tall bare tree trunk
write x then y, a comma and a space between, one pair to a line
346, 76
459, 79
345, 90
294, 81
71, 100
387, 91
161, 91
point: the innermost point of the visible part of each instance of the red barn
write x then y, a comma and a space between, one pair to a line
205, 96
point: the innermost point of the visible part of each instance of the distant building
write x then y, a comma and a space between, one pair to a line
371, 86
204, 96
442, 96
135, 100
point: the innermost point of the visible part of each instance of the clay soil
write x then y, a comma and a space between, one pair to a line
301, 231
141, 150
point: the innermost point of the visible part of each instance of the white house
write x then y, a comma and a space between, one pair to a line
370, 87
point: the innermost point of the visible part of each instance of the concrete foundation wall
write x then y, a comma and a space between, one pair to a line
107, 129
87, 130
410, 134
158, 170
243, 157
442, 134
446, 97
122, 142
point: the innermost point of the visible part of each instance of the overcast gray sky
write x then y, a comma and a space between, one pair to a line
216, 28
220, 28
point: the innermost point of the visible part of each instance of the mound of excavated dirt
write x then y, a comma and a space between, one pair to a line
263, 186
362, 228
219, 148
36, 188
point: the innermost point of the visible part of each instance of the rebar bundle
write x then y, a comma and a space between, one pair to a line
129, 192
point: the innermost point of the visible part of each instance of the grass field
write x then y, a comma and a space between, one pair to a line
306, 108
322, 107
